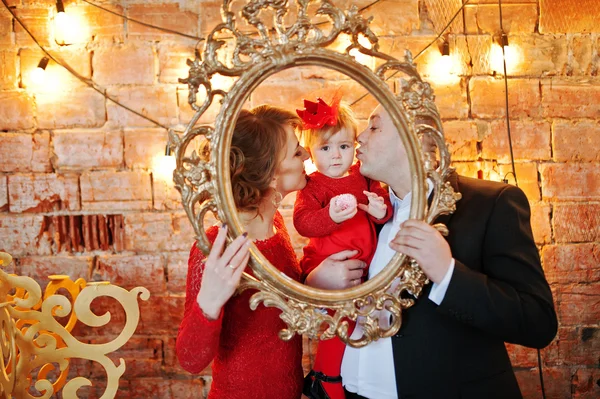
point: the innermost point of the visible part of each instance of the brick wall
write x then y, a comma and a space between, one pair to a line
80, 193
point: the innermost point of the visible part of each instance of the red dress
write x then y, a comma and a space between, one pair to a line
249, 359
311, 219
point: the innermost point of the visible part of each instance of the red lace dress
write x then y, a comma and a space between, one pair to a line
249, 359
311, 219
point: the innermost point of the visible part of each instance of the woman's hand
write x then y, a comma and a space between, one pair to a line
222, 272
337, 272
376, 208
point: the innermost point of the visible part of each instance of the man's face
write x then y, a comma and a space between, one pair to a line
381, 152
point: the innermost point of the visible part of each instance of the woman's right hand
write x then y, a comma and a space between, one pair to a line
222, 272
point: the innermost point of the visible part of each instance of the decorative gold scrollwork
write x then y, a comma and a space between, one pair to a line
249, 58
33, 339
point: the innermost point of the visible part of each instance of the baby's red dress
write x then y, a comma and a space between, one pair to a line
311, 219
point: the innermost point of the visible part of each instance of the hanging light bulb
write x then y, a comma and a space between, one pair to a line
38, 74
446, 49
502, 52
445, 63
441, 66
163, 166
62, 19
504, 40
479, 163
63, 25
60, 9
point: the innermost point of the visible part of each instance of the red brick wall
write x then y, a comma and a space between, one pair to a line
79, 194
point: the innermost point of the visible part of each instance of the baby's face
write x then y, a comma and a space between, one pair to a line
334, 157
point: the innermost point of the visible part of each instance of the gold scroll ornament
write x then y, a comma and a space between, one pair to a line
33, 340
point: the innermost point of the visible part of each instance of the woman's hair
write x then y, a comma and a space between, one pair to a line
258, 146
346, 119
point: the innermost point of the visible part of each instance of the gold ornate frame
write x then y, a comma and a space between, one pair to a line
205, 184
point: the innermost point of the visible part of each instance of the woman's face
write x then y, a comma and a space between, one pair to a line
290, 175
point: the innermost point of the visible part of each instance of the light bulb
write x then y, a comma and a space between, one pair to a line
497, 56
163, 167
441, 66
39, 73
65, 27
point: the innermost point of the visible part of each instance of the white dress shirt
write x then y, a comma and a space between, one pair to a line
369, 371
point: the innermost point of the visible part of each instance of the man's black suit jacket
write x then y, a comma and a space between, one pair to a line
497, 293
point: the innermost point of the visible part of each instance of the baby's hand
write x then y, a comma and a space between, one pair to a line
376, 208
340, 213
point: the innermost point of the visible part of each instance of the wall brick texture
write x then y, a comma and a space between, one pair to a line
82, 191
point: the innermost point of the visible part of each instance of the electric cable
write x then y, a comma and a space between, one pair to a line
88, 82
424, 49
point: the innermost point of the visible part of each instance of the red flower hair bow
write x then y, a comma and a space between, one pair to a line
316, 115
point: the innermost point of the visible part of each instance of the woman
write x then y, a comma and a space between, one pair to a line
249, 358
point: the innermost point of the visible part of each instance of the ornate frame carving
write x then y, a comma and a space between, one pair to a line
37, 348
205, 185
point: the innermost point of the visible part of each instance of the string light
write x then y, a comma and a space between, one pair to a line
502, 54
69, 28
174, 32
38, 74
504, 40
163, 166
444, 29
90, 83
505, 47
62, 24
445, 49
60, 8
479, 163
441, 66
446, 62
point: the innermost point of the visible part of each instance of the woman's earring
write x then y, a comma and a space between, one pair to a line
276, 199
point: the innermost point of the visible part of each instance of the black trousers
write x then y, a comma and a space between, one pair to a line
352, 395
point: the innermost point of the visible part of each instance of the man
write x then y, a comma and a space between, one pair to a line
488, 288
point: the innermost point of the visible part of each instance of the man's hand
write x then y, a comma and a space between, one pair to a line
425, 244
337, 272
338, 214
376, 208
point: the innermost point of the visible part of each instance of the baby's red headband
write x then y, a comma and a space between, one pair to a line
316, 115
